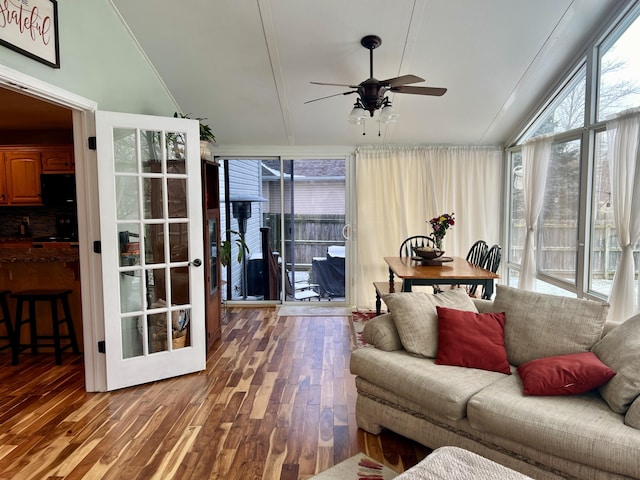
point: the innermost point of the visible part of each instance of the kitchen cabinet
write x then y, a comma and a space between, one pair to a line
4, 194
58, 161
22, 177
21, 166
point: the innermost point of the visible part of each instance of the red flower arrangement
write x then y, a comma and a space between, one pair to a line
440, 225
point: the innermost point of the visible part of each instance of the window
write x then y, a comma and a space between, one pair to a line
558, 226
605, 248
619, 71
577, 249
566, 111
517, 227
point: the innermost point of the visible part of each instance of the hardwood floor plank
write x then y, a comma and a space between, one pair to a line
276, 402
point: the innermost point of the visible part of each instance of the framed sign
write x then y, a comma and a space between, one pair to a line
30, 27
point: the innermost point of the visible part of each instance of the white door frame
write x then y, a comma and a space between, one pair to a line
88, 212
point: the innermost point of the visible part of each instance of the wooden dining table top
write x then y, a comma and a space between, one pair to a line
459, 268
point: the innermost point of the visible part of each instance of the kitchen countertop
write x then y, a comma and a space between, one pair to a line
39, 254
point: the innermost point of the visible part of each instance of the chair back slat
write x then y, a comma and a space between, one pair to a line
407, 246
477, 253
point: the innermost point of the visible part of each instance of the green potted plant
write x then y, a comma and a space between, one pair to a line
207, 138
206, 134
224, 253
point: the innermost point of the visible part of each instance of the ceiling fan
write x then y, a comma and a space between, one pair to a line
372, 91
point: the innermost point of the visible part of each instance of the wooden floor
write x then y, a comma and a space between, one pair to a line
276, 402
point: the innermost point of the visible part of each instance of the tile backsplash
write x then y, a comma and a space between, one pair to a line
42, 220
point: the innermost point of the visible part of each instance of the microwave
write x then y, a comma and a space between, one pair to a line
58, 189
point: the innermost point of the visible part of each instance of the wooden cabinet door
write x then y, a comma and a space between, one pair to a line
211, 207
4, 194
58, 161
23, 177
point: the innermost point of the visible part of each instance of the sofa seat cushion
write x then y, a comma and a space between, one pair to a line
540, 325
581, 428
442, 389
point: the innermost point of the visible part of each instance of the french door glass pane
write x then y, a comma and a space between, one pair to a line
125, 150
558, 236
127, 207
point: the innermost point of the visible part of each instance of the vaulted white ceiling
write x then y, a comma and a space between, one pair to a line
246, 65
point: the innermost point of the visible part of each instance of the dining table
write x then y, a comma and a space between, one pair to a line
445, 271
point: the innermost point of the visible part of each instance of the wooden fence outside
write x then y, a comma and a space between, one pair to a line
559, 246
312, 235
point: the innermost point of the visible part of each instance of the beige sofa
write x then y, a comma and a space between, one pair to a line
591, 435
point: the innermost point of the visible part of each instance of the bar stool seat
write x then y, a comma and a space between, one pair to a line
56, 299
6, 319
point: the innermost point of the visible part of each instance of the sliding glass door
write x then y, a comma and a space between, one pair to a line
289, 217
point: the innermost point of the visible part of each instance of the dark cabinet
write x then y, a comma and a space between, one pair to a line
211, 209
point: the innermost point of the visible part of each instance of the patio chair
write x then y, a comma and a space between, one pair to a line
305, 291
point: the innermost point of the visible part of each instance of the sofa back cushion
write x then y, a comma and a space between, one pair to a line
540, 325
416, 317
620, 350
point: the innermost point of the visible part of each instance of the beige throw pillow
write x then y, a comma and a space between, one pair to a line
540, 325
416, 317
620, 350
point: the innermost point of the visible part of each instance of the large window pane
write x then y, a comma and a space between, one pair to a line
558, 239
620, 72
605, 248
517, 229
566, 111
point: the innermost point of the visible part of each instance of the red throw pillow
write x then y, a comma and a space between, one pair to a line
469, 339
564, 374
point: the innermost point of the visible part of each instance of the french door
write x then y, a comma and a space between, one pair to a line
151, 247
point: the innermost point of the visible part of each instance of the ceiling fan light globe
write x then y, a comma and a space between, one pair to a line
357, 115
388, 115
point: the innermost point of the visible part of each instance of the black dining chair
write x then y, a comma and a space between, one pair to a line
416, 241
492, 262
476, 255
406, 250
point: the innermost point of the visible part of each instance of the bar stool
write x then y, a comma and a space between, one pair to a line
53, 297
6, 318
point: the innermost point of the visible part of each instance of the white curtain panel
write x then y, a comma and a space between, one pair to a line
535, 160
398, 189
623, 135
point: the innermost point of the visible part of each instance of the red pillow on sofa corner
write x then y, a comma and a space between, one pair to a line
469, 339
564, 374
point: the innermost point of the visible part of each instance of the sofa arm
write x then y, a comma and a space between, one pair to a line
632, 417
381, 332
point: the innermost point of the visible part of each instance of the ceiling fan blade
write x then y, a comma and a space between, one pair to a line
403, 80
335, 84
435, 91
329, 96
